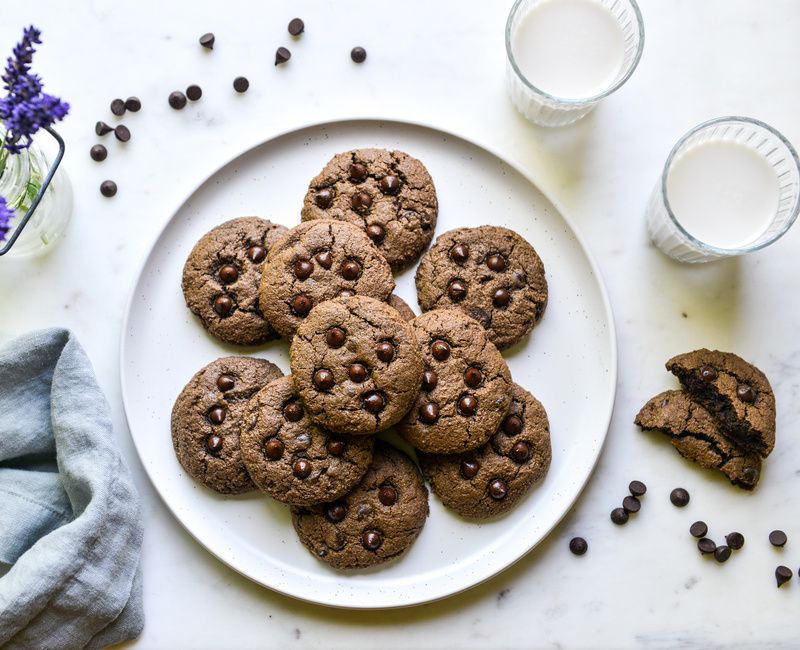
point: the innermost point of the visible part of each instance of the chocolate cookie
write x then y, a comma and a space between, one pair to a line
291, 458
493, 478
466, 386
206, 417
376, 522
221, 278
406, 313
733, 391
491, 274
388, 194
318, 261
356, 365
697, 435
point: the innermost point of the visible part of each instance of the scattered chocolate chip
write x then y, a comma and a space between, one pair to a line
746, 393
207, 41
335, 447
273, 449
118, 107
133, 104
708, 373
98, 153
214, 443
228, 274
473, 376
501, 297
467, 405
440, 350
122, 133
429, 380
217, 414
301, 468
698, 529
578, 546
323, 379
358, 173
241, 84
335, 337
226, 382
469, 469
374, 402
782, 575
390, 184
679, 497
351, 270
459, 253
257, 254
457, 290
282, 55
296, 27
777, 538
101, 128
108, 188
361, 201
335, 512
722, 553
303, 269
498, 489
706, 545
324, 197
177, 100
357, 373
358, 54
631, 504
512, 425
293, 412
387, 495
371, 540
223, 305
735, 540
301, 305
520, 452
384, 351
619, 516
496, 263
637, 488
194, 92
429, 412
376, 233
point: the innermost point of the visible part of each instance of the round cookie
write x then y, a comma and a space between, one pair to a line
376, 522
319, 261
406, 313
356, 365
466, 386
388, 194
221, 278
493, 478
491, 274
206, 417
291, 458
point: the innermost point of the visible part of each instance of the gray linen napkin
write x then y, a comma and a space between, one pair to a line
70, 522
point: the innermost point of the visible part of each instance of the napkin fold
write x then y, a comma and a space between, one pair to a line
70, 520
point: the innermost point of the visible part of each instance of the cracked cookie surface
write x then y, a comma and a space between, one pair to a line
206, 418
356, 365
490, 273
466, 385
376, 522
221, 277
493, 478
388, 194
291, 458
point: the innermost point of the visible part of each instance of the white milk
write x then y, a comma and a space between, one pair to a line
723, 193
571, 49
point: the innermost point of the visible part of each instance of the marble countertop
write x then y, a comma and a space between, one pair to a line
641, 585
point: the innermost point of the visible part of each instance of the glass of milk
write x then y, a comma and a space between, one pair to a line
564, 56
730, 186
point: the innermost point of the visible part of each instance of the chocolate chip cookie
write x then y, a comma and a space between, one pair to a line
492, 274
697, 435
388, 194
466, 385
494, 478
206, 417
376, 522
735, 392
318, 261
406, 313
356, 365
291, 458
221, 278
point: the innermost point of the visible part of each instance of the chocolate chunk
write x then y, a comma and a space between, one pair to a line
708, 373
257, 254
467, 405
637, 488
323, 379
335, 337
578, 546
469, 468
429, 380
351, 270
194, 92
631, 504
374, 402
324, 259
303, 269
520, 452
358, 54
457, 290
98, 153
217, 414
473, 376
207, 41
357, 373
273, 449
293, 412
371, 540
296, 26
324, 197
619, 516
706, 546
133, 104
722, 553
177, 100
497, 263
118, 107
358, 173
459, 253
384, 351
387, 495
746, 393
225, 382
782, 575
735, 540
335, 447
777, 538
301, 305
698, 529
335, 512
282, 55
108, 188
501, 298
513, 425
214, 443
429, 413
241, 84
376, 233
390, 184
440, 350
361, 202
301, 468
122, 133
101, 128
228, 274
679, 497
223, 305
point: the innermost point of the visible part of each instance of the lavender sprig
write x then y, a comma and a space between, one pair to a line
26, 108
6, 215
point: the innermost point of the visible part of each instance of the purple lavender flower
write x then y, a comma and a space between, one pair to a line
6, 214
26, 108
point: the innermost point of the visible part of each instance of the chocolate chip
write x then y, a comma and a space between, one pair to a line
273, 449
387, 495
108, 189
228, 274
390, 184
335, 337
217, 414
303, 269
371, 540
498, 489
293, 412
708, 373
706, 546
459, 253
520, 452
429, 380
637, 488
133, 104
241, 84
226, 382
496, 263
777, 538
301, 305
513, 425
98, 153
376, 233
578, 546
358, 173
374, 402
324, 197
223, 305
301, 468
782, 575
357, 372
457, 290
118, 107
746, 393
335, 512
207, 41
194, 92
282, 55
467, 405
335, 447
361, 201
122, 133
440, 350
751, 475
385, 351
256, 254
429, 412
473, 376
619, 516
698, 529
631, 504
722, 553
351, 270
679, 497
296, 27
469, 469
101, 128
358, 54
501, 297
735, 540
177, 100
214, 443
323, 379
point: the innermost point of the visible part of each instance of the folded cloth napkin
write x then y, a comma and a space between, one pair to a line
70, 521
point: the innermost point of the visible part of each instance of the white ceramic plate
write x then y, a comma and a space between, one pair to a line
569, 363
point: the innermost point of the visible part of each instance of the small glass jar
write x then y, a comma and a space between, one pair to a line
21, 178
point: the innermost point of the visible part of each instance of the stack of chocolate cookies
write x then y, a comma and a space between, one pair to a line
362, 363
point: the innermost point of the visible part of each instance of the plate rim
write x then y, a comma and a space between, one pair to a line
531, 178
